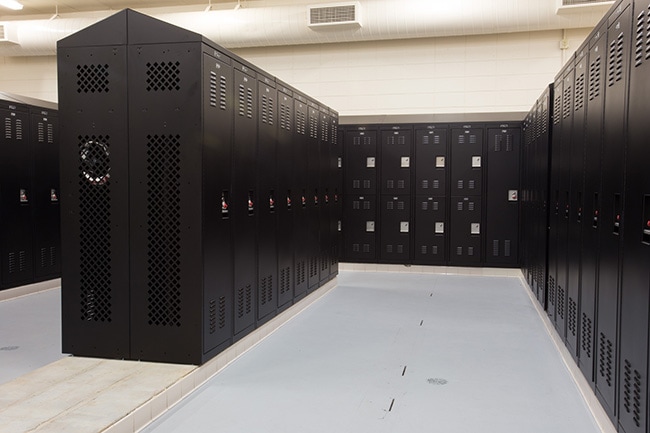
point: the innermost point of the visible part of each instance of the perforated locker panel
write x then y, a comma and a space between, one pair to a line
396, 155
314, 195
576, 200
44, 135
396, 225
466, 231
360, 228
466, 161
635, 293
95, 293
619, 44
431, 160
16, 199
267, 250
336, 189
286, 196
502, 196
592, 201
325, 191
361, 161
430, 231
302, 194
245, 198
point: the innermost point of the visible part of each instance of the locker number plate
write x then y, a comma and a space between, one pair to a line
406, 162
440, 228
513, 195
476, 228
440, 162
370, 226
370, 162
476, 161
404, 227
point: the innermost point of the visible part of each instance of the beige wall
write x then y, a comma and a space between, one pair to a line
492, 73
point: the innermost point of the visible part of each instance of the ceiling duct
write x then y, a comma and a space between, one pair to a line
335, 14
5, 40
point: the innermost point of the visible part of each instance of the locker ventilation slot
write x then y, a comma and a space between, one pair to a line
266, 290
560, 302
212, 312
19, 129
163, 230
285, 117
435, 205
495, 248
566, 101
163, 77
222, 312
324, 131
506, 248
425, 139
400, 205
313, 127
285, 280
301, 122
400, 184
573, 319
92, 78
313, 267
389, 205
459, 251
585, 335
605, 359
8, 132
436, 184
366, 205
50, 133
594, 79
425, 184
300, 273
213, 89
557, 109
425, 205
436, 139
244, 301
95, 272
434, 250
41, 132
551, 290
642, 43
17, 262
222, 92
632, 396
580, 93
470, 251
615, 61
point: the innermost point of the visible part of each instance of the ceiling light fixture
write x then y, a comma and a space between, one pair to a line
11, 4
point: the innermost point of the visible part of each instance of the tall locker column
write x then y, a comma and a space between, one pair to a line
612, 223
635, 287
431, 167
502, 196
324, 188
299, 190
335, 180
395, 181
466, 218
314, 192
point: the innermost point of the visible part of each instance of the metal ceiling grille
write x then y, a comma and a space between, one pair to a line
582, 2
336, 14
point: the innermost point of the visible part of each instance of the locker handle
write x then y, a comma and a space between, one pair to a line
225, 211
617, 214
645, 237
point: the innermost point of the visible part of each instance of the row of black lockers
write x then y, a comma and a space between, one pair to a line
197, 204
442, 194
598, 285
29, 185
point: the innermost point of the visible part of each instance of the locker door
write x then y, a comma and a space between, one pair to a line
267, 227
635, 287
430, 230
360, 228
324, 188
47, 240
335, 175
285, 197
300, 192
395, 232
245, 202
577, 201
17, 198
465, 231
360, 161
466, 161
592, 203
612, 201
396, 149
541, 192
314, 197
502, 216
431, 161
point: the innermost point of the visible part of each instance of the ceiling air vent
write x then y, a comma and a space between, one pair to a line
4, 36
335, 14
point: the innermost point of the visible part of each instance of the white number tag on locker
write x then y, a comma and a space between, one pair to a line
370, 226
404, 227
370, 162
406, 162
476, 161
476, 229
440, 162
440, 228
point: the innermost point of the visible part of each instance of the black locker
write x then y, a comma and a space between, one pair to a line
635, 286
325, 191
466, 161
336, 188
395, 233
300, 192
93, 120
502, 196
431, 169
267, 225
360, 161
16, 197
360, 228
285, 195
465, 238
245, 205
396, 150
612, 223
576, 201
591, 218
44, 136
314, 195
430, 230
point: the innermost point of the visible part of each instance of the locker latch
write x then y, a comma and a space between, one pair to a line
595, 221
303, 199
289, 200
23, 196
271, 202
339, 225
224, 204
54, 196
566, 211
251, 206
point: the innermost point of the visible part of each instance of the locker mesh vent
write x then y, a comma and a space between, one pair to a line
222, 312
435, 205
472, 139
356, 248
50, 133
92, 78
48, 257
266, 290
400, 249
436, 139
605, 358
495, 248
366, 184
313, 127
8, 132
471, 184
632, 396
223, 85
580, 93
615, 60
267, 110
434, 250
324, 263
163, 230
642, 42
356, 141
356, 205
163, 76
461, 139
573, 317
460, 184
95, 276
459, 206
334, 133
423, 249
470, 251
390, 184
425, 141
366, 205
560, 302
425, 205
509, 144
400, 205
594, 79
19, 129
585, 335
425, 184
506, 248
436, 184
566, 102
301, 122
459, 251
400, 184
356, 184
285, 280
285, 117
366, 248
470, 206
17, 262
213, 89
389, 205
324, 131
244, 301
300, 273
212, 314
313, 267
389, 248
551, 290
41, 132
498, 139
557, 109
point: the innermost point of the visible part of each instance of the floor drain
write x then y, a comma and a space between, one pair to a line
437, 381
8, 348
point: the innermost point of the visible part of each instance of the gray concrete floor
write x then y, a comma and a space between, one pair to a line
389, 352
